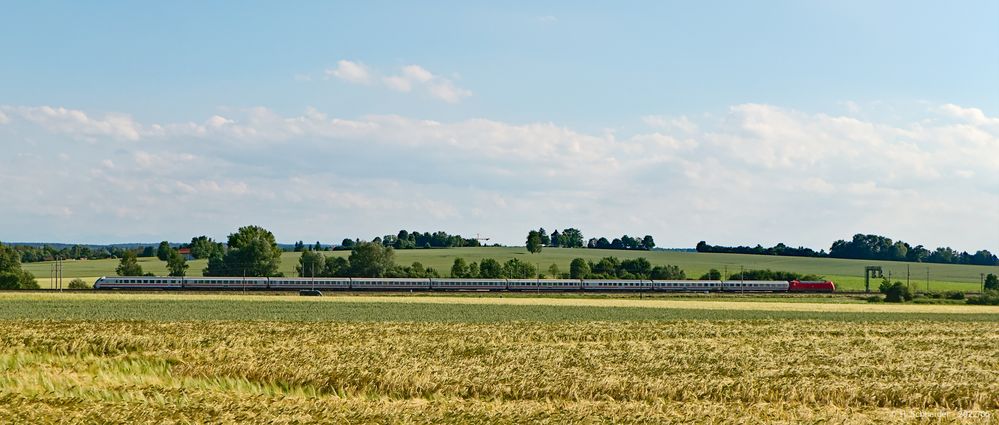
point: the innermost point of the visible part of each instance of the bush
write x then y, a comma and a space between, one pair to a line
954, 295
873, 299
18, 280
78, 283
987, 298
896, 293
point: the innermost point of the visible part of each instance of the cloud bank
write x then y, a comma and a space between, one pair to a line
754, 173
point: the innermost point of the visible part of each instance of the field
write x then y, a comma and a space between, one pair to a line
375, 359
848, 274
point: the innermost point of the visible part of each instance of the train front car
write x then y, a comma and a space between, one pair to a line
138, 282
811, 286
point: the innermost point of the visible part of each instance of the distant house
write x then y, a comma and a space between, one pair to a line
186, 252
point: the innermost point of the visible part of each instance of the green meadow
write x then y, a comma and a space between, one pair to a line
848, 274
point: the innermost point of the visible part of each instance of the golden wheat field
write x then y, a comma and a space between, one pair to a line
705, 371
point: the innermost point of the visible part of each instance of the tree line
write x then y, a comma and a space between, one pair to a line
765, 274
32, 253
573, 238
867, 247
410, 240
11, 274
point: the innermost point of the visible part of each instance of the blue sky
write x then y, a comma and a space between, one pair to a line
722, 121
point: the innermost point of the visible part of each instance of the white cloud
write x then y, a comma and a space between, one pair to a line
3, 118
436, 86
756, 173
78, 123
417, 73
354, 72
410, 78
398, 83
971, 115
445, 90
680, 123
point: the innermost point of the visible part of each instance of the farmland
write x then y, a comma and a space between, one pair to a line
256, 358
848, 274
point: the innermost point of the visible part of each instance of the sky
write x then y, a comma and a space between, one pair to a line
724, 121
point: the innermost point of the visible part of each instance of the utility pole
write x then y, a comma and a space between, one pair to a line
982, 275
907, 277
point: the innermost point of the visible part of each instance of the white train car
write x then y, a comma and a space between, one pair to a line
755, 286
439, 284
544, 284
560, 284
686, 285
324, 283
617, 285
225, 282
522, 284
389, 284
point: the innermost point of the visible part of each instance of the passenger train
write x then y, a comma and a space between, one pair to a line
445, 284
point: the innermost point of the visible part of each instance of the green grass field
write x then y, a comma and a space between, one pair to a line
848, 274
231, 358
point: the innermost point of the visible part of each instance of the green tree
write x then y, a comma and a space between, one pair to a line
253, 251
516, 269
490, 269
216, 265
554, 271
571, 238
648, 243
148, 252
991, 282
11, 274
10, 280
668, 272
607, 266
129, 265
176, 264
299, 246
311, 263
473, 270
204, 247
163, 251
371, 260
639, 267
579, 269
545, 239
459, 269
336, 267
10, 260
712, 274
533, 242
